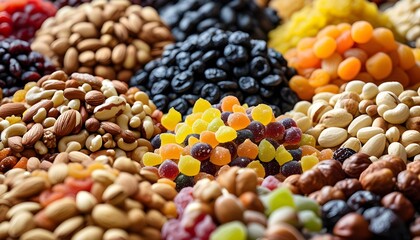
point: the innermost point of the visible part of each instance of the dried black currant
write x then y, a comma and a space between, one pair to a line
362, 200
342, 154
332, 211
385, 224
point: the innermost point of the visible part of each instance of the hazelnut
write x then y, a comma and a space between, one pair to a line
414, 167
311, 181
399, 204
326, 194
397, 164
53, 112
352, 226
413, 123
92, 125
282, 231
349, 186
291, 182
409, 184
128, 136
251, 201
332, 171
228, 208
356, 164
380, 182
207, 191
237, 180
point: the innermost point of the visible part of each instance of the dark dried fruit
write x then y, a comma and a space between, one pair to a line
332, 211
362, 200
342, 154
385, 224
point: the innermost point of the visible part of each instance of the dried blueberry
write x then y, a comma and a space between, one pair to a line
290, 168
362, 200
235, 54
215, 74
182, 82
385, 224
248, 85
211, 92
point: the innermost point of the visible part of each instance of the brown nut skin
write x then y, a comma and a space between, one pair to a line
332, 171
395, 164
282, 231
399, 204
228, 208
311, 181
352, 226
326, 194
414, 167
356, 164
291, 182
380, 182
251, 201
92, 125
413, 123
415, 228
408, 183
349, 186
7, 163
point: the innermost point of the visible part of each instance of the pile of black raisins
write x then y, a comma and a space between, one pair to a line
215, 64
20, 65
187, 17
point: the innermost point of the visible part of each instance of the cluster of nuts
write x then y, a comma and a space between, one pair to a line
98, 118
405, 15
235, 198
108, 39
375, 120
106, 204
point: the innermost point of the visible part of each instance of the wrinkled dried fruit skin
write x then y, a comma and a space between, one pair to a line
352, 226
362, 200
399, 204
385, 224
349, 186
380, 182
356, 164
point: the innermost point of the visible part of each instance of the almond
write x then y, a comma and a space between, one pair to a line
118, 53
61, 209
15, 143
65, 123
53, 84
111, 128
94, 98
108, 216
71, 63
10, 109
28, 115
121, 87
28, 187
21, 223
38, 233
60, 46
103, 55
89, 44
33, 135
85, 29
74, 93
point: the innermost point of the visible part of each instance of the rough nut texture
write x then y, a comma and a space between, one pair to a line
356, 164
215, 64
353, 226
109, 39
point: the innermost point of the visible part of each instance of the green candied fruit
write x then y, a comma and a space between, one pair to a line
230, 231
304, 203
310, 221
278, 198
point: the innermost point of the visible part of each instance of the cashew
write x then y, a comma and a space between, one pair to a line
119, 153
415, 111
80, 138
94, 142
108, 88
36, 94
334, 99
148, 127
74, 104
358, 123
58, 98
369, 91
108, 141
40, 148
48, 122
135, 122
14, 130
407, 93
122, 121
355, 86
4, 124
366, 133
398, 115
383, 108
63, 108
40, 115
73, 146
147, 110
141, 115
126, 146
394, 87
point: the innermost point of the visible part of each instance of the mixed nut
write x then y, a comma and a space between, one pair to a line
372, 119
97, 117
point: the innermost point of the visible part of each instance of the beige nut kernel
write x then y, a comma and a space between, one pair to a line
85, 201
366, 133
397, 149
412, 149
410, 136
89, 232
397, 115
355, 86
352, 143
332, 137
61, 209
108, 216
393, 134
317, 109
68, 227
394, 87
358, 123
375, 146
38, 233
369, 91
21, 223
